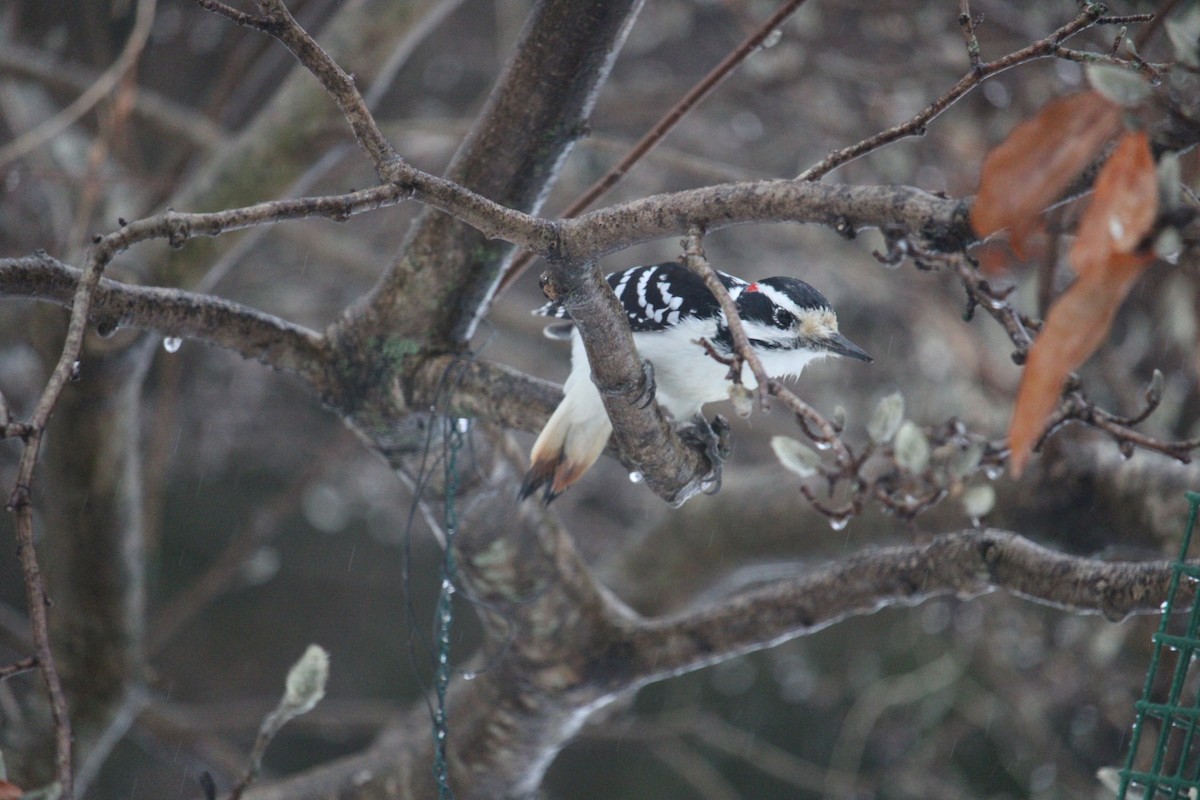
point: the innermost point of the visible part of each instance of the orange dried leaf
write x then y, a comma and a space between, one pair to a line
1123, 209
1074, 328
10, 791
1029, 170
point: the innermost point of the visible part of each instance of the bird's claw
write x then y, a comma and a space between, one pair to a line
715, 438
646, 397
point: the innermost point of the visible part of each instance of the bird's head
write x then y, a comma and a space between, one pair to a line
786, 315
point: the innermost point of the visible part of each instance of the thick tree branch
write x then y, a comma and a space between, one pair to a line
440, 287
172, 312
666, 124
647, 440
649, 444
485, 390
965, 564
938, 221
567, 648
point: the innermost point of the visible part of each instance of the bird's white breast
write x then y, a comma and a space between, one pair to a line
687, 377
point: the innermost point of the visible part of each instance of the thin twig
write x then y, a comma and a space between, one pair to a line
229, 12
968, 24
32, 139
276, 20
665, 124
1043, 48
35, 595
177, 228
826, 434
171, 312
18, 667
174, 118
694, 259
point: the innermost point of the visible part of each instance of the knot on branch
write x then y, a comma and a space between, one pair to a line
396, 171
178, 229
19, 499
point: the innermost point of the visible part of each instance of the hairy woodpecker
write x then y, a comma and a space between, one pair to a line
669, 309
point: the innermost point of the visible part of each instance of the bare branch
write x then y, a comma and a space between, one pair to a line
18, 667
277, 21
647, 441
937, 221
665, 125
33, 139
565, 53
37, 600
1043, 48
170, 116
172, 312
697, 263
965, 564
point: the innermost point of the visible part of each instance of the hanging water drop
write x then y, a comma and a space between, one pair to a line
172, 344
469, 676
993, 471
636, 477
839, 523
462, 424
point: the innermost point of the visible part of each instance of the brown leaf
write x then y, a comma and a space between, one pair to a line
1104, 257
10, 791
1074, 328
1030, 169
1123, 209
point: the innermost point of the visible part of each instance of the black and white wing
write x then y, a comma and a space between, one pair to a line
654, 297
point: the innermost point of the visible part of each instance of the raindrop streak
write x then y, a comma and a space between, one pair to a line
172, 344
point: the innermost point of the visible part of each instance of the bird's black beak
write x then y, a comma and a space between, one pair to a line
841, 346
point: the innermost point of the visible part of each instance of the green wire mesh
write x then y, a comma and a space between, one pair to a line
1174, 767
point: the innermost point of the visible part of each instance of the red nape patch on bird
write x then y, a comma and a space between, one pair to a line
752, 287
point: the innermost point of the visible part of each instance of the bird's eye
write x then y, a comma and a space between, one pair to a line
784, 319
